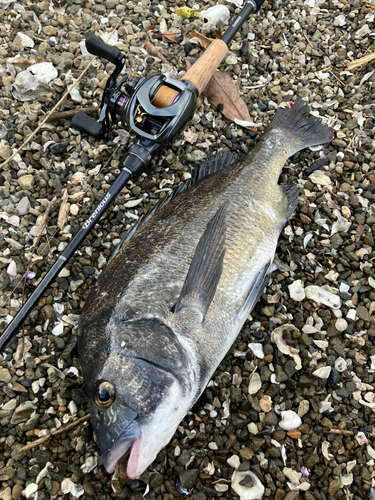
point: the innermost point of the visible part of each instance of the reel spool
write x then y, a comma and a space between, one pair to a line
165, 97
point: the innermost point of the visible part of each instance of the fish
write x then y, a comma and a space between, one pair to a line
172, 300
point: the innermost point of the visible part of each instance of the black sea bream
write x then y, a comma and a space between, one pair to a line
172, 301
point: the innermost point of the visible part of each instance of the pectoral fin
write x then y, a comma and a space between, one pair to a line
206, 267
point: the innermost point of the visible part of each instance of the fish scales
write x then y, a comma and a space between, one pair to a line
154, 328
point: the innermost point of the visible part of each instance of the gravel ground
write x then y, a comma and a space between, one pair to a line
321, 376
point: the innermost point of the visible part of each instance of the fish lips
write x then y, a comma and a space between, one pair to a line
113, 454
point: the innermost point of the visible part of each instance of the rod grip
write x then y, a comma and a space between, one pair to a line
97, 47
201, 72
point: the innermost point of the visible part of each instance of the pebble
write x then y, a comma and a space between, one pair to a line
26, 181
23, 206
5, 375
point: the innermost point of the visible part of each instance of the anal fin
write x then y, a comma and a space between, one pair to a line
257, 288
291, 192
206, 267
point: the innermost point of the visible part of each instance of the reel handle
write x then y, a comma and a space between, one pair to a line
97, 47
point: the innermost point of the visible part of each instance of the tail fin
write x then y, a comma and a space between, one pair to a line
307, 129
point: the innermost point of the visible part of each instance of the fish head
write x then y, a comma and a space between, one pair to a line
139, 390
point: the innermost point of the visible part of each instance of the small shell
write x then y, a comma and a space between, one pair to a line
255, 383
341, 324
289, 420
292, 475
361, 438
72, 407
255, 492
370, 452
347, 479
322, 372
297, 291
340, 365
325, 446
66, 485
234, 461
322, 296
350, 465
257, 349
277, 337
90, 464
58, 329
30, 490
266, 404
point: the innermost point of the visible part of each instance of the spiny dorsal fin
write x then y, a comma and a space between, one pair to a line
208, 166
206, 267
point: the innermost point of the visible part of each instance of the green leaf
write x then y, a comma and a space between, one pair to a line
372, 46
185, 12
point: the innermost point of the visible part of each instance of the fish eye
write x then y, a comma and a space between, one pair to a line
105, 394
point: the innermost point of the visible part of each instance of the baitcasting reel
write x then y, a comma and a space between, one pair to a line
155, 108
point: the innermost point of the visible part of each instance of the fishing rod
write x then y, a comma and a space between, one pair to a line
156, 109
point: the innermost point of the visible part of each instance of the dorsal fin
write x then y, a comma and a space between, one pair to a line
208, 166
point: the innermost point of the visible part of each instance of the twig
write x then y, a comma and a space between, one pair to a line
62, 429
151, 49
308, 41
339, 431
369, 6
338, 79
31, 136
69, 114
359, 62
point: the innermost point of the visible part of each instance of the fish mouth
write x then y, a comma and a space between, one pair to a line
128, 443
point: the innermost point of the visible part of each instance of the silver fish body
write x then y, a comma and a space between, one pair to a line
171, 302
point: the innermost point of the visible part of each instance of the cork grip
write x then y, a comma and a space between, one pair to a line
202, 70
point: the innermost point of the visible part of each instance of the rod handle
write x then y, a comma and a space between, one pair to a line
201, 71
97, 47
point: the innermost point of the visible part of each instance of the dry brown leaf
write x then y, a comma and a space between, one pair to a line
64, 211
21, 62
371, 178
171, 35
222, 92
204, 41
218, 34
150, 28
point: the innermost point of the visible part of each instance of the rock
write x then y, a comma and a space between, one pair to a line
334, 487
292, 495
26, 181
49, 30
17, 491
5, 376
188, 478
271, 418
23, 412
6, 494
363, 313
5, 150
7, 473
23, 206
